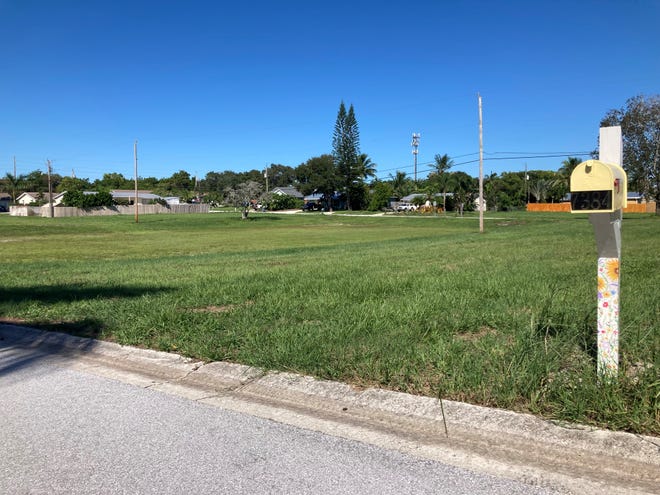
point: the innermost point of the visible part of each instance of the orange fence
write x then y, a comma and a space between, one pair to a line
640, 208
548, 207
631, 208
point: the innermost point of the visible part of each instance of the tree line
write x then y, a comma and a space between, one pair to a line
508, 191
346, 177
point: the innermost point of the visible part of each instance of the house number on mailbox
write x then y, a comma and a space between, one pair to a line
591, 200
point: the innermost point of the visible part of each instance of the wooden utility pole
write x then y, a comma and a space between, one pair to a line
136, 181
196, 189
481, 169
14, 184
526, 185
50, 193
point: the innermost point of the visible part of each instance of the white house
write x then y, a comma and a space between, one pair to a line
477, 204
28, 198
288, 191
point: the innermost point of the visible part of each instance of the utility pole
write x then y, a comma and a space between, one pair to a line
481, 168
15, 183
526, 185
136, 181
50, 192
266, 177
415, 146
196, 188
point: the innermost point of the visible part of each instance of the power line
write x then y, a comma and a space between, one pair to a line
517, 155
537, 152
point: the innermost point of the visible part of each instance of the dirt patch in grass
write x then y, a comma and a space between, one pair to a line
225, 308
215, 309
510, 223
478, 335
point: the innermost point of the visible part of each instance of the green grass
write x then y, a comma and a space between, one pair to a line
421, 304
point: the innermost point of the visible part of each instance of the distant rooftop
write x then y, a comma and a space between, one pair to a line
289, 191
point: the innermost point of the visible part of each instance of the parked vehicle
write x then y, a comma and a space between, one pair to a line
406, 207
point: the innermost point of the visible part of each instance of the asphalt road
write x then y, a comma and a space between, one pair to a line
70, 431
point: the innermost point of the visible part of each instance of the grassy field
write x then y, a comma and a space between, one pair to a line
425, 305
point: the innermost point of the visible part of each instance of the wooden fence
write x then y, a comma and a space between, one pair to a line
25, 211
68, 211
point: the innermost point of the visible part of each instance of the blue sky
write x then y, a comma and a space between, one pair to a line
213, 86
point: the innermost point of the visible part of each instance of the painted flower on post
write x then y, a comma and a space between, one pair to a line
612, 269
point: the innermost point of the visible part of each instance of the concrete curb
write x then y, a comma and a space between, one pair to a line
568, 458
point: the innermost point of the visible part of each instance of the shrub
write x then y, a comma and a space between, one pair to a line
381, 196
284, 202
80, 200
73, 198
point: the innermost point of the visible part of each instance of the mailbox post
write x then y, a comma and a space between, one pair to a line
600, 188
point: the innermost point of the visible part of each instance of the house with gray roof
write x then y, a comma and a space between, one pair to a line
288, 191
128, 196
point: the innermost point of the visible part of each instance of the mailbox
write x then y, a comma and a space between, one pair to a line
598, 187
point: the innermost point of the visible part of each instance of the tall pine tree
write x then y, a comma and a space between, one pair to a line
346, 151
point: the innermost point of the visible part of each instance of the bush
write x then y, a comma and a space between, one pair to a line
80, 200
359, 196
73, 198
102, 198
284, 202
381, 196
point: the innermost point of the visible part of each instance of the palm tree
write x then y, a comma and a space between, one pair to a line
563, 179
442, 165
539, 189
15, 181
365, 167
568, 165
400, 184
463, 187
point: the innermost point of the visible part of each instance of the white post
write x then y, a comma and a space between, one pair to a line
607, 227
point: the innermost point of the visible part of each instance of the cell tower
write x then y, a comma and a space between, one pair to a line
415, 150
